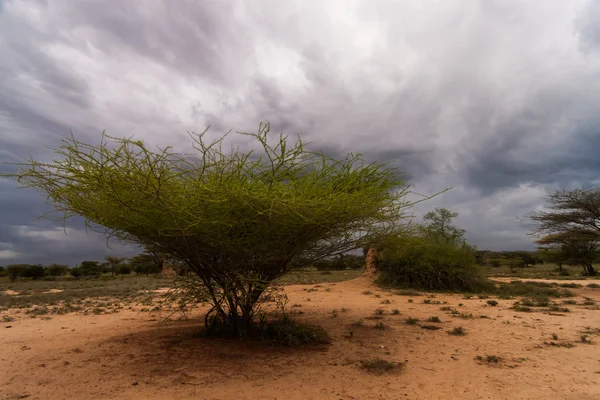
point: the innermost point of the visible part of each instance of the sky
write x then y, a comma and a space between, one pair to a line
497, 99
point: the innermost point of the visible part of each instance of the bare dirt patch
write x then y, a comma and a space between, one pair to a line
504, 354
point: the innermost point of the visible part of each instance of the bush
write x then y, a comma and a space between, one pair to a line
124, 269
16, 270
420, 264
34, 272
56, 270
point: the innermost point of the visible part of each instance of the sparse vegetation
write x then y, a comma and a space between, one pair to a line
457, 331
379, 325
379, 366
434, 319
492, 303
412, 321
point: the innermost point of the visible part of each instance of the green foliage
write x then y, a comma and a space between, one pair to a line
492, 303
124, 269
421, 264
457, 331
16, 270
3, 271
411, 321
572, 226
113, 263
147, 263
34, 272
90, 268
379, 366
56, 270
238, 220
437, 227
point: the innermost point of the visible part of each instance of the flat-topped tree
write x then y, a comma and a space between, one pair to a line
572, 225
237, 219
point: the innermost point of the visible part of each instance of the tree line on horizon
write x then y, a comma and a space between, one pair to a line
146, 263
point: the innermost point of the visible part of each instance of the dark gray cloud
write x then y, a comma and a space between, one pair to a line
497, 99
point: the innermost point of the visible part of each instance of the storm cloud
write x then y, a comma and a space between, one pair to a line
497, 99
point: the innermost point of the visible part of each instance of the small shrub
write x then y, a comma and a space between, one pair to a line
570, 285
379, 311
431, 327
412, 321
408, 292
492, 303
395, 311
585, 339
378, 296
492, 359
380, 325
434, 319
554, 336
593, 285
520, 308
483, 296
386, 301
446, 308
410, 300
7, 318
588, 302
569, 302
379, 366
367, 292
426, 301
360, 322
287, 331
457, 331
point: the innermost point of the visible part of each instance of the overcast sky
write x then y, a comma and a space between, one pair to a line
499, 99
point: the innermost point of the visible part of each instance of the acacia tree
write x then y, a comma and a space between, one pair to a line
238, 220
572, 225
114, 263
438, 227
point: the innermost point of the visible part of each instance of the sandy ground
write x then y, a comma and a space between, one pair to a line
130, 355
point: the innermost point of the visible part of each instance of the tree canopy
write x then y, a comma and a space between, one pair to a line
237, 219
438, 227
572, 226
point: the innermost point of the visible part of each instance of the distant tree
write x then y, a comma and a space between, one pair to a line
34, 272
527, 258
90, 268
495, 263
3, 272
481, 256
56, 269
555, 256
16, 270
113, 263
575, 248
147, 263
76, 272
438, 227
124, 269
572, 225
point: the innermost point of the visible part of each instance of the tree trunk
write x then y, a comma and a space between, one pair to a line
589, 270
